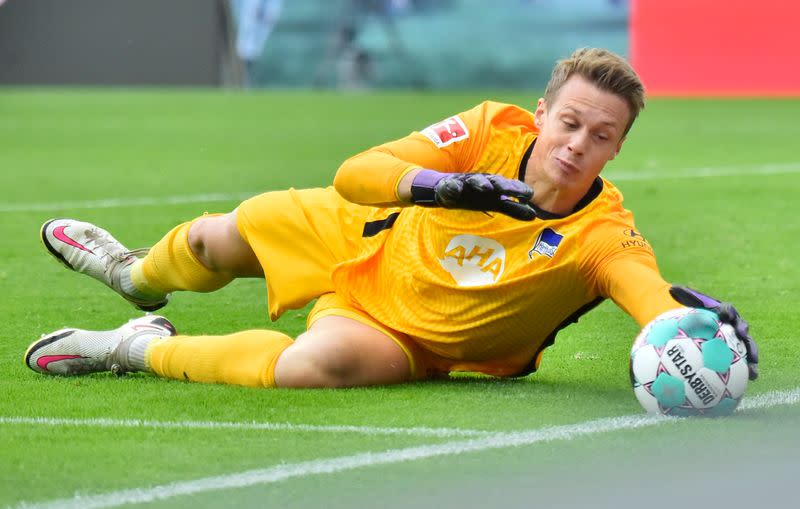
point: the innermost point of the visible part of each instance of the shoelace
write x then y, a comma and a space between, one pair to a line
116, 251
139, 252
112, 247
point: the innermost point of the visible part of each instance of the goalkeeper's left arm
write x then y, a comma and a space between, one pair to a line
378, 177
634, 284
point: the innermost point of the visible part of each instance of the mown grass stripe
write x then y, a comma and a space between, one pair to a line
613, 175
268, 426
369, 459
113, 203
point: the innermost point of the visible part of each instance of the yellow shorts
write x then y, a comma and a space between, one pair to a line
298, 237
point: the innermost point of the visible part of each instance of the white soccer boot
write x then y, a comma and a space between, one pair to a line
71, 352
85, 248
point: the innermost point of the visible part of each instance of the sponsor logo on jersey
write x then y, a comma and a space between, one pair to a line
448, 131
474, 260
633, 239
546, 243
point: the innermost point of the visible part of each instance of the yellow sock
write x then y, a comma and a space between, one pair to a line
244, 358
171, 265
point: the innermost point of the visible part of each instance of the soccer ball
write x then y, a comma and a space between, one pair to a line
687, 362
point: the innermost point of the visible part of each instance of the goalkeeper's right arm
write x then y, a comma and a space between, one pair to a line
382, 175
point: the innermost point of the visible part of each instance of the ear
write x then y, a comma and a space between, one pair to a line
539, 114
619, 147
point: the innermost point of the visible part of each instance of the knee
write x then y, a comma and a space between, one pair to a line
204, 232
300, 367
198, 234
341, 352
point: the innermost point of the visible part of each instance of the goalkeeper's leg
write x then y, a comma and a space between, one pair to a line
341, 352
342, 347
335, 352
201, 255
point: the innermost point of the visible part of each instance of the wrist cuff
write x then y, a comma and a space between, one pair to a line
423, 187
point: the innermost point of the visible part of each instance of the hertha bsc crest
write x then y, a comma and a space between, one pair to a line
546, 243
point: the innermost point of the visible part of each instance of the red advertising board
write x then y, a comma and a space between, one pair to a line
717, 47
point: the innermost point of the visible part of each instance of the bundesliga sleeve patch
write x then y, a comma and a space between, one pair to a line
449, 130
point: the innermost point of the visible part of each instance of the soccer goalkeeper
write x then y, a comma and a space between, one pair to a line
466, 246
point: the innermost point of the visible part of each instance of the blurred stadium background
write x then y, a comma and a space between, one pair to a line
343, 54
680, 47
341, 44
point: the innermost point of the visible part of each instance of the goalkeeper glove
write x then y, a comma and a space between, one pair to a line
727, 314
473, 191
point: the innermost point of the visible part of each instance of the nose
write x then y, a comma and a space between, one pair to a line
577, 142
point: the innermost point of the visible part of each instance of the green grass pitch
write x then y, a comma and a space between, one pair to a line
713, 184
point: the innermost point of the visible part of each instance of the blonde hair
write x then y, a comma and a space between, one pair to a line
606, 70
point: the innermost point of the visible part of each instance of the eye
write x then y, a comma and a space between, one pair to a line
570, 124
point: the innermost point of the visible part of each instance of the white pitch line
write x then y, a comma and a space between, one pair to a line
771, 399
268, 426
368, 459
342, 463
613, 175
113, 203
703, 172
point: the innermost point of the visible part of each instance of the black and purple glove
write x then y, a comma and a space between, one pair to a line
473, 191
727, 314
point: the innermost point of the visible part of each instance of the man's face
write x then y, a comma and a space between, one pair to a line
579, 133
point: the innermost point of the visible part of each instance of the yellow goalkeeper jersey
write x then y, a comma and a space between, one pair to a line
481, 287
